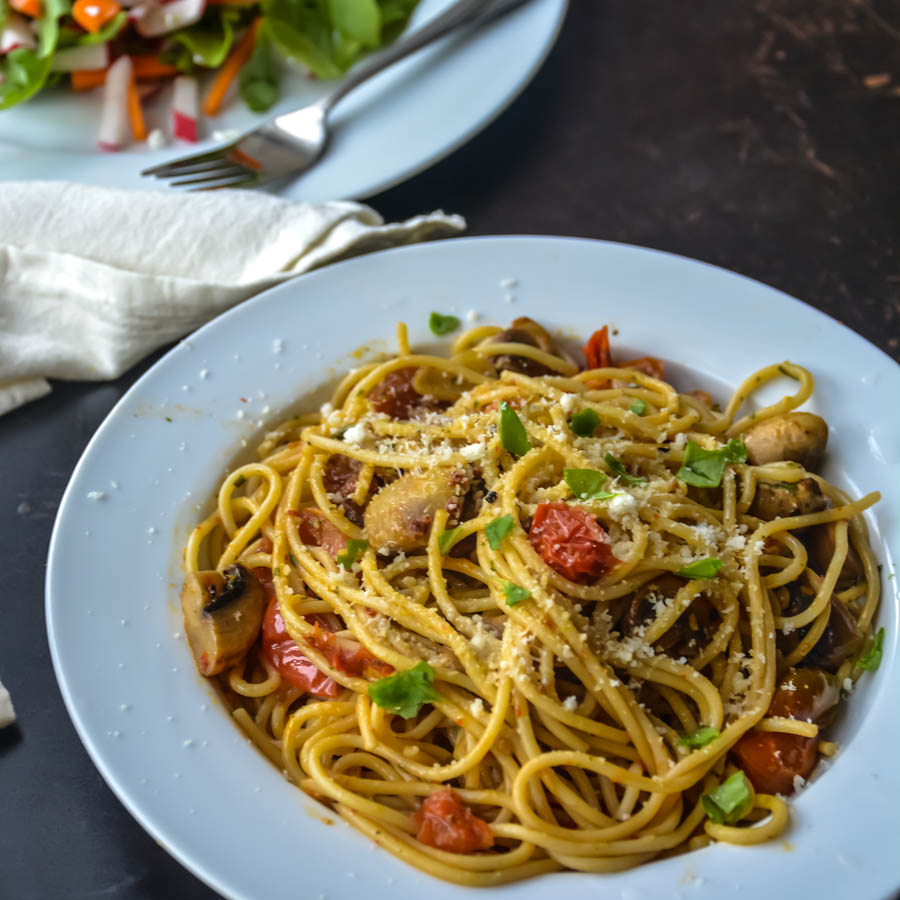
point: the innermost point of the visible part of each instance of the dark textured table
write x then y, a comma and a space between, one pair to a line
762, 137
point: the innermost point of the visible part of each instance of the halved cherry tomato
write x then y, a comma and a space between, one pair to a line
570, 540
596, 350
649, 365
445, 822
348, 656
283, 652
772, 760
316, 531
397, 397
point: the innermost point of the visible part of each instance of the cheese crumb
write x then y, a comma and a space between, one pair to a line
567, 402
570, 703
355, 434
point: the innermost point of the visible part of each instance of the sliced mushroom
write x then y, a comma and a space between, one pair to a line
223, 614
777, 501
799, 437
820, 546
399, 516
841, 638
524, 331
690, 631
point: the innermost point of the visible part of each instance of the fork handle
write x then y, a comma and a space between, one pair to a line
460, 13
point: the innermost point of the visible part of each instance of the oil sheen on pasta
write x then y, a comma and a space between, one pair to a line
508, 615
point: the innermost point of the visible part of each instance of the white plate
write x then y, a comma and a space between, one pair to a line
155, 729
396, 125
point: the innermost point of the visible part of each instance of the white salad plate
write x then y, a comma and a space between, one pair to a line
157, 731
404, 120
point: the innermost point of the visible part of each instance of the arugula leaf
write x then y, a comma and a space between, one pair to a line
729, 801
447, 538
584, 423
702, 568
515, 594
354, 550
304, 32
699, 738
639, 407
442, 324
359, 20
705, 468
69, 37
871, 660
587, 484
619, 468
512, 432
260, 76
406, 692
499, 529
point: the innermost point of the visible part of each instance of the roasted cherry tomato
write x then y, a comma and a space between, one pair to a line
570, 541
340, 477
445, 822
596, 350
283, 652
397, 397
649, 365
771, 760
316, 531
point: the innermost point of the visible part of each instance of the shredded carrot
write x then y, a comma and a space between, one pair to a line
88, 79
146, 67
30, 8
230, 69
135, 113
92, 15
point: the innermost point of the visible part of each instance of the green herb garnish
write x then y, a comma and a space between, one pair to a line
639, 407
515, 594
619, 468
293, 559
442, 324
499, 529
354, 550
729, 801
871, 660
512, 432
587, 484
406, 692
584, 423
705, 468
447, 538
699, 738
702, 568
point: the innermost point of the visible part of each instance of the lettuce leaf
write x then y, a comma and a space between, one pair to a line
261, 75
359, 20
68, 37
208, 41
24, 71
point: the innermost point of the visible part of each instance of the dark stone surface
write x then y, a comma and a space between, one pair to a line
749, 135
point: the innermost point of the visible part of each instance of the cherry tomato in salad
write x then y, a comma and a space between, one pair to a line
570, 541
445, 822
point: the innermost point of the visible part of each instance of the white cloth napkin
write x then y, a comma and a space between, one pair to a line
92, 279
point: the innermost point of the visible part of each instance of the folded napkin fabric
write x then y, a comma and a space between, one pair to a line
93, 279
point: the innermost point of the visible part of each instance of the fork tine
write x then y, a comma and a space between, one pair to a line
173, 166
230, 171
238, 182
195, 168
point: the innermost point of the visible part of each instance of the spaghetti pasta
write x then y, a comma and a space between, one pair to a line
507, 616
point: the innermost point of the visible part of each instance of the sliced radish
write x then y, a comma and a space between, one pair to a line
157, 19
115, 126
184, 108
16, 34
89, 57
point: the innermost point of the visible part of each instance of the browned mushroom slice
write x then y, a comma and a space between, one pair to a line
777, 501
798, 437
399, 516
820, 546
223, 614
842, 636
524, 331
688, 634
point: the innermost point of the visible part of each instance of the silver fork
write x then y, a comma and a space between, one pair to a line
291, 143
